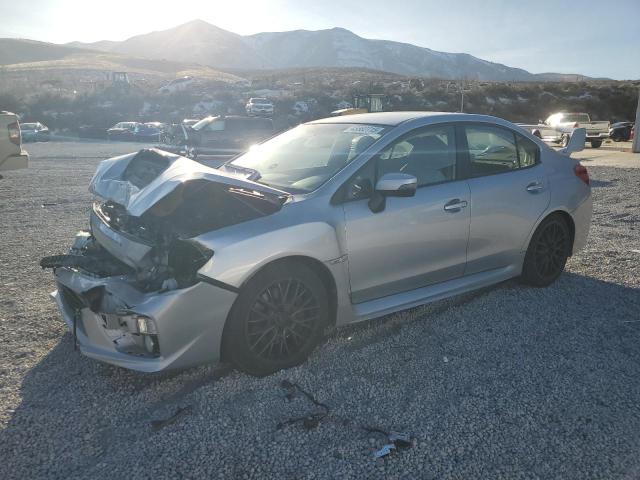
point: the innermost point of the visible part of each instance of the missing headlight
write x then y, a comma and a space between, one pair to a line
186, 257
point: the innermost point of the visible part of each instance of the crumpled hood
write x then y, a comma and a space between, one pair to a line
137, 181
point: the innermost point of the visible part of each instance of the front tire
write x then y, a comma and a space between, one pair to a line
277, 320
548, 252
565, 140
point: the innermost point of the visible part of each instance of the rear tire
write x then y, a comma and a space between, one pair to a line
596, 143
548, 252
277, 320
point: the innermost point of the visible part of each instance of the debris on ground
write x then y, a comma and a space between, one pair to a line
177, 415
397, 440
308, 421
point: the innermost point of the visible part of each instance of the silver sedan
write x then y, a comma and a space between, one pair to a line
332, 222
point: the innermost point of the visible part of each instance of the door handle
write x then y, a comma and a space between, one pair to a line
455, 205
534, 187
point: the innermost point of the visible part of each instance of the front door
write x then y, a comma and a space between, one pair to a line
415, 241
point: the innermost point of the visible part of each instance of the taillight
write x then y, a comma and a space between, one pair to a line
14, 133
576, 125
581, 172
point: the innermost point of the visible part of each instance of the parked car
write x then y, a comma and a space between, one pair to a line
259, 107
621, 131
332, 222
123, 131
542, 131
12, 156
566, 123
34, 132
92, 131
148, 132
229, 134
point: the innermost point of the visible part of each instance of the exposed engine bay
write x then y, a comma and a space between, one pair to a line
156, 250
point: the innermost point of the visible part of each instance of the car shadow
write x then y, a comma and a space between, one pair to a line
602, 183
76, 414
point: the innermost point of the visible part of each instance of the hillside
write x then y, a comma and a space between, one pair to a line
24, 56
201, 42
17, 50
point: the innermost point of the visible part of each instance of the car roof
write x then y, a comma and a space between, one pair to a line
393, 119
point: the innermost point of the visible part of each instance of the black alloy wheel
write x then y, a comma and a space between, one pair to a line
277, 320
548, 252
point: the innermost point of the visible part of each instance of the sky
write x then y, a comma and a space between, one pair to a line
598, 38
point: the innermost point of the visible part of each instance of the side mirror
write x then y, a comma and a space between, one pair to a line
397, 185
576, 141
392, 185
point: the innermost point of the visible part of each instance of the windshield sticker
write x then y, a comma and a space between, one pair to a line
364, 129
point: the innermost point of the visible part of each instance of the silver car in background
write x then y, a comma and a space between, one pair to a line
333, 222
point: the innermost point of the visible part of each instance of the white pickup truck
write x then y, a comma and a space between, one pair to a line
557, 128
12, 157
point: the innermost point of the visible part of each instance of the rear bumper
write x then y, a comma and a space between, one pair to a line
597, 136
189, 321
15, 162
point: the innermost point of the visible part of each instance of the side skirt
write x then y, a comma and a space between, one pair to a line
420, 296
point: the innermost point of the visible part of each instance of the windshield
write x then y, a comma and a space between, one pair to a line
303, 158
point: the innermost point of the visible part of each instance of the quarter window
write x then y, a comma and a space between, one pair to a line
527, 151
429, 154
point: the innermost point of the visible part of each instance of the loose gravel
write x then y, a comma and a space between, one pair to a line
509, 382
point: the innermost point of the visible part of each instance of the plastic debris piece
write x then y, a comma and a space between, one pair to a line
179, 413
399, 439
384, 451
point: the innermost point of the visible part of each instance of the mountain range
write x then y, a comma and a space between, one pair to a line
200, 42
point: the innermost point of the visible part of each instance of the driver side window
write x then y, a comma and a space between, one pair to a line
429, 154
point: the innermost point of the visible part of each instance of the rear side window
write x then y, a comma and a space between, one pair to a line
496, 150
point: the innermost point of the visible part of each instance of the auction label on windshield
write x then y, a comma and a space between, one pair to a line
364, 129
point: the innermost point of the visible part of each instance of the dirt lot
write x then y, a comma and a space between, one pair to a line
510, 382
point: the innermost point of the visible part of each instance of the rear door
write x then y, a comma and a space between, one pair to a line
415, 241
509, 192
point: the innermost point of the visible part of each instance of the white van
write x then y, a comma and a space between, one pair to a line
12, 157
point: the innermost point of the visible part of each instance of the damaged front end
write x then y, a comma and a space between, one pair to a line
129, 288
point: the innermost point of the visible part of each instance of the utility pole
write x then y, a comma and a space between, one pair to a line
636, 134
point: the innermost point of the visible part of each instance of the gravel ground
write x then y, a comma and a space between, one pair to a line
510, 382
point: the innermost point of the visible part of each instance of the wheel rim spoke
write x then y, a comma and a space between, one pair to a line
550, 250
281, 319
